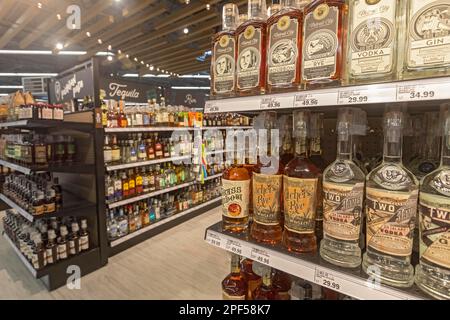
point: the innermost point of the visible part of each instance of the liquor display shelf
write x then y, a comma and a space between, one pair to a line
311, 267
145, 163
72, 206
431, 89
214, 176
41, 124
77, 168
163, 222
149, 195
170, 129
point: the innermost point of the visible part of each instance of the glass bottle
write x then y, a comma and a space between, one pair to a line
150, 148
131, 183
109, 189
139, 182
125, 185
122, 119
251, 278
84, 236
234, 286
58, 194
158, 148
115, 151
117, 181
282, 283
123, 223
391, 207
223, 61
343, 195
113, 227
433, 272
142, 151
266, 291
373, 38
284, 46
39, 256
299, 188
251, 50
152, 180
74, 239
63, 244
324, 43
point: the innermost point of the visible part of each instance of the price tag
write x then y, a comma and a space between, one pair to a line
211, 106
234, 247
417, 92
213, 239
305, 100
314, 99
374, 95
269, 103
262, 256
353, 97
326, 279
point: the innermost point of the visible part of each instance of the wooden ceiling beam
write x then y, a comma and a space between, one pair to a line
7, 6
189, 64
101, 24
141, 5
188, 70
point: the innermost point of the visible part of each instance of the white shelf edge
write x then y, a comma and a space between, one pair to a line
169, 129
149, 195
145, 163
14, 206
352, 286
213, 176
14, 166
162, 222
20, 255
13, 123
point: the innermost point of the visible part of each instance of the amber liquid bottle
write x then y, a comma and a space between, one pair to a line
324, 43
251, 50
282, 283
284, 47
266, 291
300, 182
234, 286
252, 279
223, 61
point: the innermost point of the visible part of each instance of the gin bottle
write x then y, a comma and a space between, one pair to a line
391, 206
343, 193
433, 272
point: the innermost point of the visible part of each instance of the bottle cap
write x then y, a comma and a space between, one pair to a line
274, 8
63, 230
75, 227
257, 10
230, 16
301, 121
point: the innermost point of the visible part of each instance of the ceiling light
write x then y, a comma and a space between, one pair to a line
147, 65
58, 16
185, 30
4, 94
109, 58
11, 87
72, 53
187, 1
100, 41
109, 47
167, 72
135, 59
88, 34
28, 74
142, 62
59, 46
104, 53
157, 69
127, 56
130, 75
112, 75
162, 71
119, 51
208, 6
39, 5
152, 68
196, 76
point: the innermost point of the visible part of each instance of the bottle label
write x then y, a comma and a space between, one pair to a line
320, 46
441, 183
49, 207
299, 204
435, 229
343, 205
38, 210
40, 154
249, 58
224, 65
62, 251
226, 296
428, 34
391, 220
125, 187
47, 113
235, 198
107, 155
283, 51
49, 256
392, 178
84, 242
373, 37
267, 198
72, 250
115, 154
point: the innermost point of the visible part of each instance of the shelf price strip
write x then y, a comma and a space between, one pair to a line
260, 255
214, 239
424, 92
325, 278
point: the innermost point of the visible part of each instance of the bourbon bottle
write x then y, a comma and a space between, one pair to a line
234, 286
251, 278
324, 43
223, 65
251, 50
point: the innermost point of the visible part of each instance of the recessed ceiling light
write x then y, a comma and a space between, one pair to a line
119, 51
109, 47
185, 30
100, 41
39, 5
142, 62
151, 68
88, 34
157, 69
136, 59
147, 65
127, 56
59, 46
109, 58
187, 1
208, 6
58, 16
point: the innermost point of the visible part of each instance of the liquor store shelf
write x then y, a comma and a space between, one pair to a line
431, 89
145, 163
213, 176
27, 264
309, 267
72, 206
149, 195
170, 129
163, 222
74, 168
41, 124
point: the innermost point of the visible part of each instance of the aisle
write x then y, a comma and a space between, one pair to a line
177, 264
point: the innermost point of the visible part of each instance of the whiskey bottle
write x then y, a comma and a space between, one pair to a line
107, 152
63, 244
74, 240
223, 61
373, 38
251, 50
343, 193
115, 151
391, 206
324, 43
427, 39
84, 236
282, 283
122, 118
131, 183
433, 272
300, 182
265, 291
234, 286
251, 278
39, 255
284, 46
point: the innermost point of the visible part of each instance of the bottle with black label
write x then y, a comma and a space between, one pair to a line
223, 62
324, 43
284, 46
251, 50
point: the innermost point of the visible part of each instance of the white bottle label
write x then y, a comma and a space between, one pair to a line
84, 242
235, 198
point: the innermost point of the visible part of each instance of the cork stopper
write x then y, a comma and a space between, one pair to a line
257, 10
230, 17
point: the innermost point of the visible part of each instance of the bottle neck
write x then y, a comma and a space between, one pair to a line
445, 154
235, 265
344, 147
301, 147
315, 146
393, 142
267, 279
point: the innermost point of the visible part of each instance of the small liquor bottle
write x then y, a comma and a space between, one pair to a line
284, 46
63, 244
391, 207
223, 61
115, 151
84, 236
107, 152
343, 190
433, 272
251, 278
299, 188
324, 43
234, 286
373, 38
74, 240
122, 119
266, 291
251, 50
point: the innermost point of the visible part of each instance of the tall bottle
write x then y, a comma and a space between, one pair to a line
433, 272
300, 182
391, 206
223, 62
284, 46
234, 286
324, 43
251, 50
266, 290
373, 38
251, 278
343, 195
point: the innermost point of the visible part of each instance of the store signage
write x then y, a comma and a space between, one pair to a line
120, 91
127, 90
188, 98
74, 85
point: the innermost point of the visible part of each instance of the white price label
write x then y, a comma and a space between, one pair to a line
374, 95
211, 106
353, 97
262, 256
305, 100
417, 92
234, 247
269, 103
325, 278
213, 239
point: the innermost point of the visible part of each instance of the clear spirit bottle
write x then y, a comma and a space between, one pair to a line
391, 207
433, 272
343, 195
373, 38
223, 61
